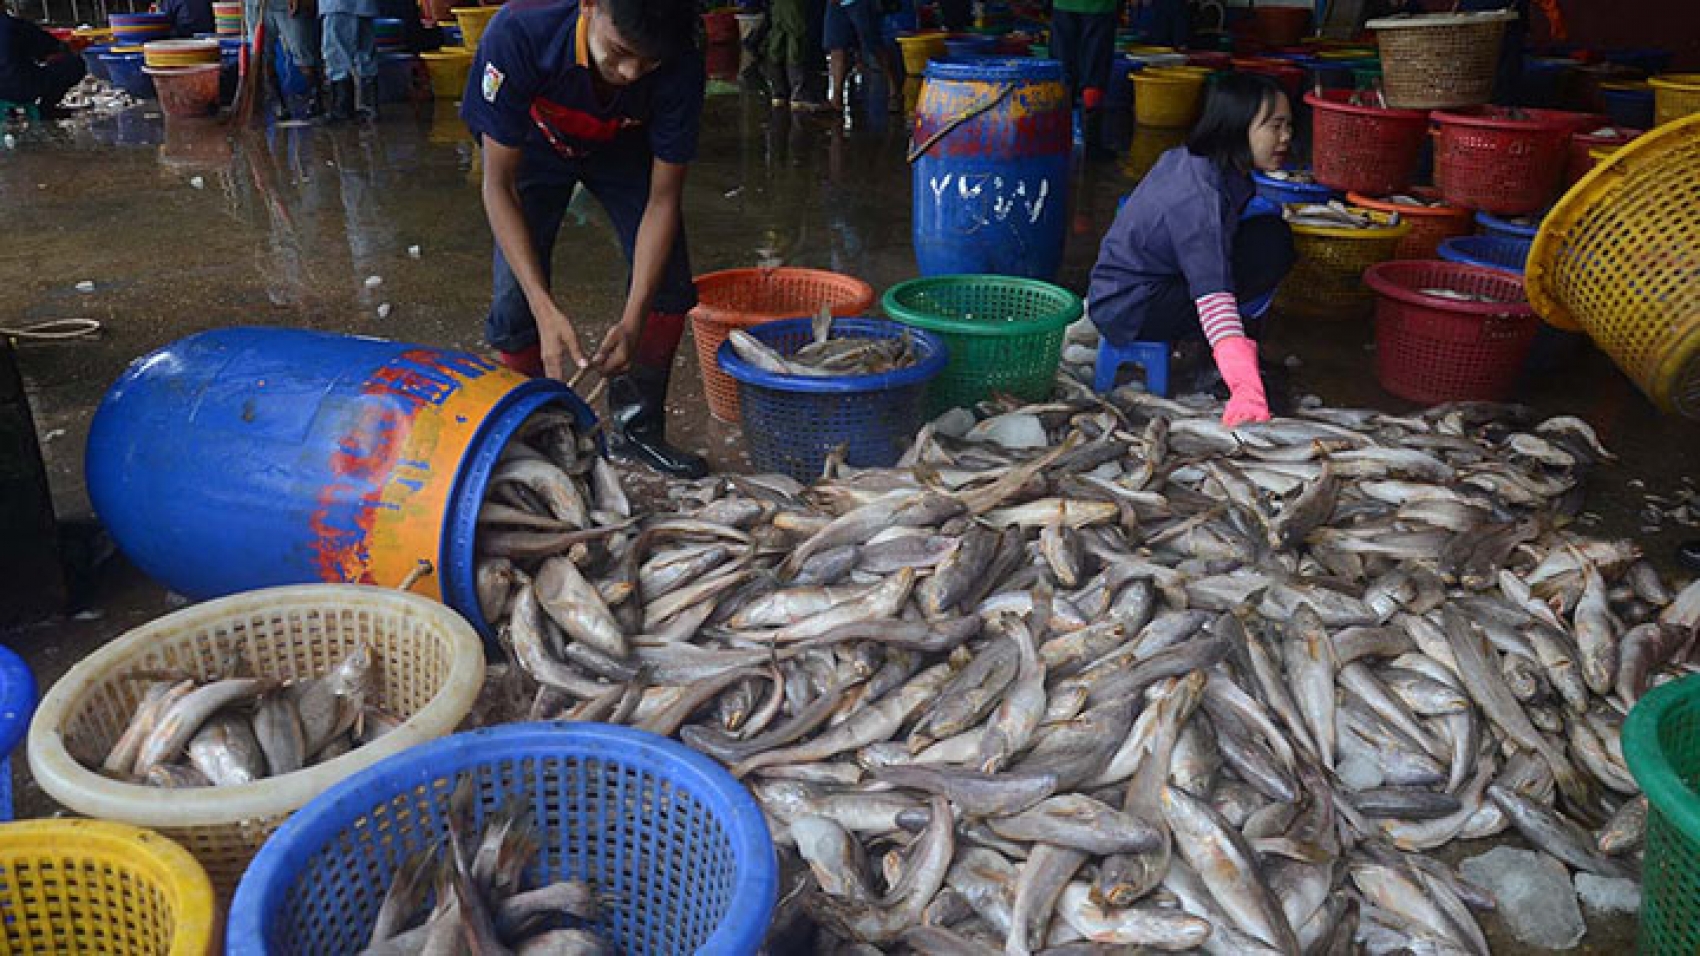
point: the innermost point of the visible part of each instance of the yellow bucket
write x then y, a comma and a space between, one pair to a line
918, 50
473, 22
1327, 281
1619, 258
1675, 95
448, 69
89, 886
1167, 97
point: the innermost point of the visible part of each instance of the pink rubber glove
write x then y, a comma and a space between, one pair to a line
1236, 356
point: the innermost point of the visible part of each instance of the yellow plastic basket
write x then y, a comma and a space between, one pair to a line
1675, 95
1327, 281
473, 22
1167, 97
1619, 258
919, 50
89, 886
448, 69
429, 664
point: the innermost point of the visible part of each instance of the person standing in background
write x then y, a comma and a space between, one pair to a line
1083, 37
188, 17
293, 24
351, 57
855, 25
1170, 25
787, 55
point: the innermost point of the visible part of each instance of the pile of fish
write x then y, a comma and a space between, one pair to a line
1101, 671
469, 895
228, 731
1407, 200
825, 356
1335, 214
1300, 176
1462, 295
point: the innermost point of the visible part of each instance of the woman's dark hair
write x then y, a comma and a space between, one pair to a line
655, 28
1223, 134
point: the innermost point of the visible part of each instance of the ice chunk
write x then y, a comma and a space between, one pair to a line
414, 252
87, 285
372, 282
1535, 895
198, 182
1607, 894
1358, 773
383, 310
1011, 430
954, 423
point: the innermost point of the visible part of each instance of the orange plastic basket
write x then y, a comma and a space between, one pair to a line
1430, 225
1619, 258
739, 298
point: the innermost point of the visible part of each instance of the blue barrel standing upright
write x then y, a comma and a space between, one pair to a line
250, 457
990, 154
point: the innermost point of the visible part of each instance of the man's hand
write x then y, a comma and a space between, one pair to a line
558, 340
615, 355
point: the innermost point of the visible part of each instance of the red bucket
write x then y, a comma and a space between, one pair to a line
720, 26
1499, 161
1366, 149
186, 91
1430, 348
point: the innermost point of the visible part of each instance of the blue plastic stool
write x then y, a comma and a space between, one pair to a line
17, 705
1153, 357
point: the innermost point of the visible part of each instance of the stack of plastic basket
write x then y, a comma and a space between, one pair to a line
1430, 225
1004, 334
791, 423
1508, 162
429, 665
676, 850
1364, 148
1617, 257
741, 298
1675, 95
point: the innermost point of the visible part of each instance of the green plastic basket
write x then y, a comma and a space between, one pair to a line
1661, 742
1005, 334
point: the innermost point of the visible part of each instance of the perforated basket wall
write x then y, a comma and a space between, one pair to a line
739, 298
676, 849
1441, 66
1326, 283
1619, 258
1430, 225
1661, 744
1433, 349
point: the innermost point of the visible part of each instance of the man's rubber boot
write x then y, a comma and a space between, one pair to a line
366, 99
342, 101
637, 423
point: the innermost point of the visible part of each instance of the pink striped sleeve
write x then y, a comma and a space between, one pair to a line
1219, 313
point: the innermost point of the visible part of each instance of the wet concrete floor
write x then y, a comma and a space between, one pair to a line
184, 226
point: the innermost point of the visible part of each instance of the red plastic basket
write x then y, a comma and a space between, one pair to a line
1582, 146
1430, 225
1364, 149
1433, 349
1505, 163
739, 298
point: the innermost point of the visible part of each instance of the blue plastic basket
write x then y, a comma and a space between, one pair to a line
971, 47
1276, 190
677, 849
1631, 108
1489, 251
1491, 225
17, 705
792, 422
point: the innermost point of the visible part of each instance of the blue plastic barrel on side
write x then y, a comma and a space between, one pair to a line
791, 423
249, 457
17, 705
677, 849
990, 151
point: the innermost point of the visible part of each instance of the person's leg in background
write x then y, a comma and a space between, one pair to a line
814, 52
875, 50
637, 399
838, 35
1169, 23
339, 31
365, 68
1065, 47
1097, 39
787, 34
297, 29
509, 327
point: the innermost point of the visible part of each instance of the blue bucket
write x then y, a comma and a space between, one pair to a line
1489, 251
96, 66
1631, 108
1491, 225
677, 850
17, 704
125, 70
1276, 190
990, 192
243, 458
793, 422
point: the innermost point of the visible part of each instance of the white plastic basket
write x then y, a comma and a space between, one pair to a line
429, 668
